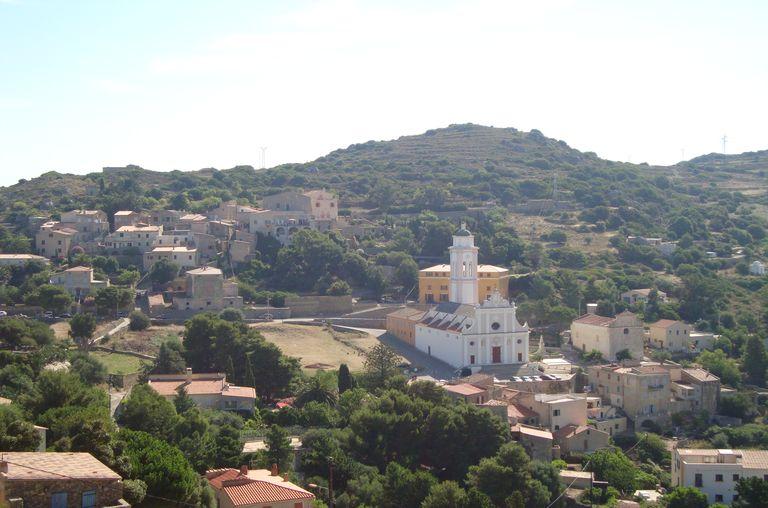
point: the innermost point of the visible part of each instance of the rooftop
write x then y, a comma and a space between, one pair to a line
245, 488
199, 384
664, 323
171, 248
79, 269
464, 389
531, 431
594, 320
701, 374
54, 466
480, 269
23, 256
408, 312
205, 270
138, 229
750, 459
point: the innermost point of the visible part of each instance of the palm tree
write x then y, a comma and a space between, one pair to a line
313, 390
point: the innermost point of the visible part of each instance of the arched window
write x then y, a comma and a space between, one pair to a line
626, 331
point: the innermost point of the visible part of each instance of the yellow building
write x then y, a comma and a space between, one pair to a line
434, 283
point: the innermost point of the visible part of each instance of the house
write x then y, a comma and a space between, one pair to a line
209, 391
22, 259
142, 238
402, 323
757, 268
286, 213
206, 289
90, 224
194, 222
465, 331
319, 204
434, 283
78, 281
670, 334
716, 472
53, 240
183, 256
58, 480
240, 252
259, 488
694, 389
606, 418
175, 238
558, 410
129, 218
700, 341
580, 439
609, 335
207, 246
166, 218
634, 296
537, 442
642, 391
577, 479
467, 392
517, 413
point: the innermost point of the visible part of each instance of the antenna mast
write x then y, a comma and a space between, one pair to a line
263, 157
725, 139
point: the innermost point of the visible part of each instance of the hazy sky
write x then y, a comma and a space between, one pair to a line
189, 84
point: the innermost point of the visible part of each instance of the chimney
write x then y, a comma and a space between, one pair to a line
188, 373
591, 308
274, 471
244, 470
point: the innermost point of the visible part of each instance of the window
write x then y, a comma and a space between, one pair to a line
59, 500
495, 326
718, 498
735, 477
626, 331
472, 359
718, 477
556, 412
557, 427
89, 499
698, 481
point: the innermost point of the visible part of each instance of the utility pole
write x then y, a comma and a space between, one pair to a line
331, 500
263, 157
725, 140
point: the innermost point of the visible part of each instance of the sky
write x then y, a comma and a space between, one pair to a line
187, 84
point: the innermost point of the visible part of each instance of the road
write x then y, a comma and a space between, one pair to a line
117, 328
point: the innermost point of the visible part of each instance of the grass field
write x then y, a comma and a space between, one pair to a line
118, 363
315, 344
145, 341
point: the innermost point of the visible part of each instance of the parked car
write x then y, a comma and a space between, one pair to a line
66, 315
3, 313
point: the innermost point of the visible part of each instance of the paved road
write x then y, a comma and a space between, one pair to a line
117, 328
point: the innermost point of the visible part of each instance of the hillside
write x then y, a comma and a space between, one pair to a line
449, 168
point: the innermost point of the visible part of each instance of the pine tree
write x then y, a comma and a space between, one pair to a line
229, 369
249, 379
755, 361
346, 381
182, 401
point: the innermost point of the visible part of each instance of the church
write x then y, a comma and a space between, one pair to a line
465, 331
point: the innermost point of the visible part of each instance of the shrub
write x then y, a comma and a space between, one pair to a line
138, 321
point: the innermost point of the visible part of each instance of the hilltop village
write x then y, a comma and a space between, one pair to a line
295, 353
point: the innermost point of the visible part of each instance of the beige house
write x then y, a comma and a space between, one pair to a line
716, 472
694, 389
142, 238
209, 391
21, 259
537, 442
207, 246
194, 222
78, 281
642, 392
166, 218
175, 238
607, 418
580, 439
53, 240
286, 213
185, 257
434, 283
256, 489
558, 410
609, 335
670, 334
402, 323
634, 296
129, 218
467, 392
206, 289
90, 224
240, 252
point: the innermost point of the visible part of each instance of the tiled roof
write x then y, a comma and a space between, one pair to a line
169, 387
55, 466
594, 320
570, 430
531, 431
408, 313
464, 389
701, 374
79, 269
519, 411
663, 323
255, 487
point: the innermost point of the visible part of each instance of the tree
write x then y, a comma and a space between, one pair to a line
687, 497
233, 315
170, 358
163, 467
407, 273
753, 491
147, 411
739, 405
345, 379
613, 466
16, 434
755, 361
624, 354
406, 488
651, 447
313, 390
721, 366
112, 299
163, 271
278, 446
182, 401
50, 297
446, 495
179, 202
381, 362
134, 491
90, 370
338, 288
500, 476
138, 321
81, 328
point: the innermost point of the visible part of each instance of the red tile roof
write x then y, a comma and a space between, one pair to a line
464, 389
242, 490
519, 411
595, 320
663, 323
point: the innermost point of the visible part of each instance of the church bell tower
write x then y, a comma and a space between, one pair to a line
463, 253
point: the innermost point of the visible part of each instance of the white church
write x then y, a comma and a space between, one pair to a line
465, 332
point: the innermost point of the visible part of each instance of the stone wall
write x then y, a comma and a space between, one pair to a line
303, 306
37, 493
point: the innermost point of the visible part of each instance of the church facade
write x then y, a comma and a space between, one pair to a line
467, 332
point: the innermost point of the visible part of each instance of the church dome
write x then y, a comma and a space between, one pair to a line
463, 232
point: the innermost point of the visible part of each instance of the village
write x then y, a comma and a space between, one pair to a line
609, 379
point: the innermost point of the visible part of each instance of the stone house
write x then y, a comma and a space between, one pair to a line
670, 334
58, 480
22, 259
208, 391
609, 335
634, 296
129, 218
206, 289
402, 323
78, 281
580, 439
53, 240
183, 256
537, 442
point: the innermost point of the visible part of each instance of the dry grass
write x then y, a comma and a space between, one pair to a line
61, 328
145, 341
532, 227
315, 344
117, 363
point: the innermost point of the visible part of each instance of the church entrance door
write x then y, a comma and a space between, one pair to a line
496, 353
